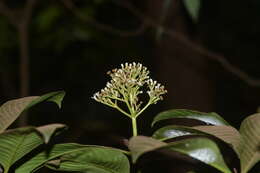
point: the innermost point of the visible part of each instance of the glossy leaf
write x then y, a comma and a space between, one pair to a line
14, 144
209, 118
193, 8
76, 157
202, 149
227, 134
250, 143
11, 110
173, 131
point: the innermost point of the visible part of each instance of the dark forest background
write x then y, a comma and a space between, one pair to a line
206, 53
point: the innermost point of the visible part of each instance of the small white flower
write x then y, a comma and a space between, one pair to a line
127, 84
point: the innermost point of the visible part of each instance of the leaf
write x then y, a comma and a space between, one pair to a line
249, 149
209, 118
14, 144
173, 131
82, 161
193, 8
202, 149
140, 144
227, 134
76, 157
49, 130
11, 110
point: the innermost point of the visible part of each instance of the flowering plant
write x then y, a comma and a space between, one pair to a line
126, 85
123, 92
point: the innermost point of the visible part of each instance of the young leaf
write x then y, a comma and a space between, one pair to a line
76, 157
209, 118
49, 130
202, 149
227, 134
140, 144
14, 144
193, 8
10, 110
250, 143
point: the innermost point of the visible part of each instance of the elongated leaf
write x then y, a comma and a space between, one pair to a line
83, 161
14, 144
250, 143
209, 118
202, 149
227, 134
193, 8
76, 157
11, 110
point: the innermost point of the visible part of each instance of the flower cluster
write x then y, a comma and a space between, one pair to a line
125, 86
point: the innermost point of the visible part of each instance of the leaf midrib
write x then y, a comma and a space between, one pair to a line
68, 152
249, 164
14, 154
99, 166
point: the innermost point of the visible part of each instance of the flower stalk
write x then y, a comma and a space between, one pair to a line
125, 87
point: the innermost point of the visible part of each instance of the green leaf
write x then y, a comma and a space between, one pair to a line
227, 134
55, 97
11, 110
76, 157
173, 131
250, 144
16, 143
49, 130
202, 149
209, 118
193, 8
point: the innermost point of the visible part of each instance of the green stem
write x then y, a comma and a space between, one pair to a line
134, 126
122, 111
146, 106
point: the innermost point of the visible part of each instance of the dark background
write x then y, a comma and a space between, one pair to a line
208, 63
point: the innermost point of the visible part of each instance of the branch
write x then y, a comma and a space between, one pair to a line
107, 28
27, 11
191, 45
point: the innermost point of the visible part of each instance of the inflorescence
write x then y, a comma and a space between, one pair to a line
126, 85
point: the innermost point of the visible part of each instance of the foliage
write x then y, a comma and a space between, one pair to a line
197, 142
244, 142
17, 143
